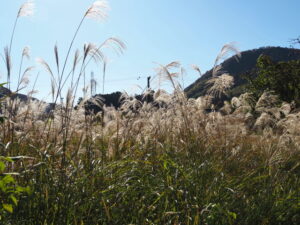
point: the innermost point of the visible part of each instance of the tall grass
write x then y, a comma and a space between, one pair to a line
164, 162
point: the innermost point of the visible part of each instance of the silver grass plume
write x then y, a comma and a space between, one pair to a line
53, 88
196, 68
97, 101
129, 103
220, 84
25, 81
92, 50
114, 43
230, 47
69, 98
8, 63
95, 54
164, 73
26, 52
161, 96
27, 9
98, 10
124, 96
217, 70
25, 77
56, 57
32, 92
43, 63
174, 64
75, 62
183, 73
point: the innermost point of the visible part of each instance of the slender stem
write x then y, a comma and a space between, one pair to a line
2, 57
72, 78
78, 79
86, 64
72, 72
71, 45
66, 60
30, 96
19, 76
12, 35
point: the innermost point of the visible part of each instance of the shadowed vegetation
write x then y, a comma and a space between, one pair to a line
244, 65
283, 78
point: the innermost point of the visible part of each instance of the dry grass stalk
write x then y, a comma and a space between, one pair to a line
227, 48
220, 84
196, 68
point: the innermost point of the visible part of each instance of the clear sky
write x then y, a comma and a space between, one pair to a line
189, 31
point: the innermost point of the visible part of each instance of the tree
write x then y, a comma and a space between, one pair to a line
296, 41
281, 77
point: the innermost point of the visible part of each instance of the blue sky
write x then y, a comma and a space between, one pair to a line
189, 31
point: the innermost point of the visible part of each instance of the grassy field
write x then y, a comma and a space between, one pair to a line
163, 163
173, 165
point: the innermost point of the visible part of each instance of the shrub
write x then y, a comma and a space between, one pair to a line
281, 77
9, 190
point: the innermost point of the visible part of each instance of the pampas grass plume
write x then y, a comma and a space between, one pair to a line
98, 10
220, 84
27, 9
26, 52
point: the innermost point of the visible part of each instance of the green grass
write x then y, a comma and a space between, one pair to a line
193, 184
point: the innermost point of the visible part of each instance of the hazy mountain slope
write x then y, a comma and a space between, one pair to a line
246, 63
6, 92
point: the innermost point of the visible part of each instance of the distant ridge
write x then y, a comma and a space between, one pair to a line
246, 64
6, 92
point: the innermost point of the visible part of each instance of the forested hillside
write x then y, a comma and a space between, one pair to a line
238, 68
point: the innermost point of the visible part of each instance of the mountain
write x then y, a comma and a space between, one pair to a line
6, 92
245, 65
95, 103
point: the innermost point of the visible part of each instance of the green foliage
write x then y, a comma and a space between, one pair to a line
163, 188
246, 64
9, 190
282, 77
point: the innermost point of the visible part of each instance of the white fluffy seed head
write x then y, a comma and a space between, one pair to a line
26, 52
98, 10
27, 9
220, 84
227, 48
196, 68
